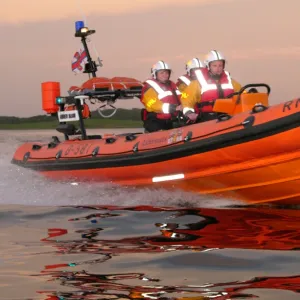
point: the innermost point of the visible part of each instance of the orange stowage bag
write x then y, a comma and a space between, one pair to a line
115, 83
125, 83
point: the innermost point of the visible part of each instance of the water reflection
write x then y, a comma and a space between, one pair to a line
198, 230
102, 286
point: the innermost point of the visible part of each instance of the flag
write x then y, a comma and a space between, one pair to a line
79, 61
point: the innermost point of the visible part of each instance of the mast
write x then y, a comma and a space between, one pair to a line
83, 32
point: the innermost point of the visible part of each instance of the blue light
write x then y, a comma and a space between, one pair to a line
59, 100
79, 25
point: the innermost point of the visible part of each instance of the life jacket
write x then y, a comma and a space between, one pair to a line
86, 113
186, 79
212, 90
183, 79
167, 93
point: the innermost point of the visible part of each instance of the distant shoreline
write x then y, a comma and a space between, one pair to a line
90, 124
122, 119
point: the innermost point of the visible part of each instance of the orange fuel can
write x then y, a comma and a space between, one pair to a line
50, 90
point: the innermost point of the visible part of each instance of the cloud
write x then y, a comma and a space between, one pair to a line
20, 11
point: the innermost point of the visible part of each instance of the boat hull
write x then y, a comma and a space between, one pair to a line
251, 157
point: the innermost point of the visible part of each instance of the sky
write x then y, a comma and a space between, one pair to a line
260, 39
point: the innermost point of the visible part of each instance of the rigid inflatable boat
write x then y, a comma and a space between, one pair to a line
250, 153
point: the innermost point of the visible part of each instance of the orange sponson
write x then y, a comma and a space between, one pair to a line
251, 157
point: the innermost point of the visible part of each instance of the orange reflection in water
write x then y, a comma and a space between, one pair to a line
251, 228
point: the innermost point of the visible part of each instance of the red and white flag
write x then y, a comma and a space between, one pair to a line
79, 61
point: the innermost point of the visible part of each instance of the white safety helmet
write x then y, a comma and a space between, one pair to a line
160, 65
213, 55
193, 64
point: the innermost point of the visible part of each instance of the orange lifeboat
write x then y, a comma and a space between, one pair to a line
250, 153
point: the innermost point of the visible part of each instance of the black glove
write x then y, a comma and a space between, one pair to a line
172, 108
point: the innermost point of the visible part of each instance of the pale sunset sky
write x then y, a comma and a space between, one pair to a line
260, 39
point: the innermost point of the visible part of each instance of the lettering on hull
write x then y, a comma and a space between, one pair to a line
78, 150
289, 105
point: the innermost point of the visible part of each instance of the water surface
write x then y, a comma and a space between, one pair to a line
98, 241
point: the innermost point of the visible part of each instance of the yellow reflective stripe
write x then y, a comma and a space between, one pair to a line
184, 95
150, 102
